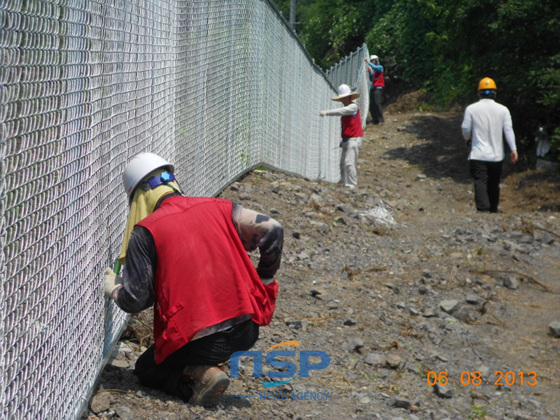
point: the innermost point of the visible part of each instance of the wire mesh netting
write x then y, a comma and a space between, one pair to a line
216, 87
352, 72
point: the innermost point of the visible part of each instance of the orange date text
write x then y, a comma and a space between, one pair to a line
475, 378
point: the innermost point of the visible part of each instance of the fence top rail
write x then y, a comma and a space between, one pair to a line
301, 44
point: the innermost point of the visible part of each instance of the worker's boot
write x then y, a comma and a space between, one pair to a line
208, 384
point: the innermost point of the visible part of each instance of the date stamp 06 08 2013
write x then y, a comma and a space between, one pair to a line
475, 378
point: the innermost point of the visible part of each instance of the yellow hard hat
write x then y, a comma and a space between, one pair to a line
487, 84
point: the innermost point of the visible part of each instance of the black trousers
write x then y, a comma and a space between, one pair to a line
210, 350
486, 179
375, 108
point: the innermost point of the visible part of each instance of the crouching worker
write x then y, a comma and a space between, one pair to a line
188, 258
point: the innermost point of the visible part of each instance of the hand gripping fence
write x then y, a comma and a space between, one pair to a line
216, 87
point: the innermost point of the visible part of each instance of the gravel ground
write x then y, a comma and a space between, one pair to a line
424, 308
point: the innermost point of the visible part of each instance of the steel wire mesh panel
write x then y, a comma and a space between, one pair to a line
352, 72
216, 87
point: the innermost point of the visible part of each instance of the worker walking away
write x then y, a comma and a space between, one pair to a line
484, 125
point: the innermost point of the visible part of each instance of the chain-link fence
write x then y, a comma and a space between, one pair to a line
353, 72
216, 87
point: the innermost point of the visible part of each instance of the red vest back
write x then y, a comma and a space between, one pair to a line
378, 79
204, 276
352, 126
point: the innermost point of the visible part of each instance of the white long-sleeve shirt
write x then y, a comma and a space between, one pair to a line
485, 121
344, 111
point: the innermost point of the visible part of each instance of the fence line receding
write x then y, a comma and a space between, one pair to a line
216, 87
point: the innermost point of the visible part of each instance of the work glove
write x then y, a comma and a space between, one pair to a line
322, 113
112, 281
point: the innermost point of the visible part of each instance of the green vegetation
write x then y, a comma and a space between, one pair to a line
371, 377
444, 47
477, 412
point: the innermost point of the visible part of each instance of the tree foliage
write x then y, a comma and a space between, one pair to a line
330, 29
446, 46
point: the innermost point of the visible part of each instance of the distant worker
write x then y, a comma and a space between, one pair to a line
352, 133
377, 85
482, 126
187, 256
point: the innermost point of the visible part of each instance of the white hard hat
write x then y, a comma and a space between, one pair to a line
345, 91
140, 166
374, 57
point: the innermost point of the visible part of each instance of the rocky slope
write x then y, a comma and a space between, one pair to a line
424, 308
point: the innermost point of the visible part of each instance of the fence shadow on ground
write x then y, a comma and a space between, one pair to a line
443, 153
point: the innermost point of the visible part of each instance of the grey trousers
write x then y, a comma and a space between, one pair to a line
349, 161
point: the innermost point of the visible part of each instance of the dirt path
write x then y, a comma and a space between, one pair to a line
523, 344
430, 288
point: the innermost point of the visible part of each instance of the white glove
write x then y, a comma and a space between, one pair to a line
112, 281
267, 281
322, 113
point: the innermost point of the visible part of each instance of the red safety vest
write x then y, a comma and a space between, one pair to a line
352, 126
204, 276
378, 79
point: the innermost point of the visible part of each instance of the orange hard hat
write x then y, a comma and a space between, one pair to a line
487, 84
